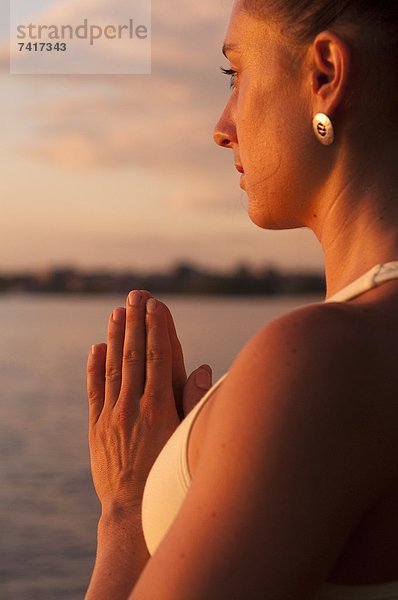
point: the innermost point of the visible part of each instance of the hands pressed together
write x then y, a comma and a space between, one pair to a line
138, 393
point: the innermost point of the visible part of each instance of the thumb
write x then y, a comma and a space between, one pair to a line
198, 383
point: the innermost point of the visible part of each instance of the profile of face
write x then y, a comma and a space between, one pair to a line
267, 121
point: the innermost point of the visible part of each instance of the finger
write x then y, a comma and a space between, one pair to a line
134, 350
113, 364
199, 382
96, 381
158, 382
179, 374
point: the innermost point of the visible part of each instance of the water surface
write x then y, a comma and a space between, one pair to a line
48, 508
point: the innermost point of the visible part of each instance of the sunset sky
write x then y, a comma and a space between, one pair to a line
121, 170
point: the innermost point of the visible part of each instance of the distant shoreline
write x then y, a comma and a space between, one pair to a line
183, 280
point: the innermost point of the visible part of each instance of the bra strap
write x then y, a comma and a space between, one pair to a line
372, 278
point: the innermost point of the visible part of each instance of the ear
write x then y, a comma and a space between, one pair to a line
330, 71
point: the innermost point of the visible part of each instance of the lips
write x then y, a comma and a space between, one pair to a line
239, 168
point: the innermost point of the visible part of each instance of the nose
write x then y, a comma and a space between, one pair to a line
221, 139
224, 133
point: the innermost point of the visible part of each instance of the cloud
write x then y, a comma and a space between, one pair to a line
144, 134
106, 136
162, 121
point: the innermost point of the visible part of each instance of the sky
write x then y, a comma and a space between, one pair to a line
121, 171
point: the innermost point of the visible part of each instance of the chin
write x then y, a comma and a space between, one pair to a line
265, 218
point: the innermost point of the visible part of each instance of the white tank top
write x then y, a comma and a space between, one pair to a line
169, 478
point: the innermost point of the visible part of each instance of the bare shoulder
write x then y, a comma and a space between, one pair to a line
332, 343
315, 369
312, 344
324, 325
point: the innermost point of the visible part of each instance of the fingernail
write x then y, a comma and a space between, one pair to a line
135, 298
118, 314
94, 349
151, 305
202, 379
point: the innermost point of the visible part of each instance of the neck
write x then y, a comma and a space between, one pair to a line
357, 223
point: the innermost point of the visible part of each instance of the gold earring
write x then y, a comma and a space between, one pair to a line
323, 129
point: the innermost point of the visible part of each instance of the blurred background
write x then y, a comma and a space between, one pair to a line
111, 173
122, 171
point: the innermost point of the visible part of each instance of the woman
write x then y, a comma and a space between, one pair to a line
282, 483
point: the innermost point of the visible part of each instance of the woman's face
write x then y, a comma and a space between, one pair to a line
267, 121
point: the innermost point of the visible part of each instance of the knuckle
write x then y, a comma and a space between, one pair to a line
155, 356
112, 373
133, 356
93, 396
123, 415
153, 411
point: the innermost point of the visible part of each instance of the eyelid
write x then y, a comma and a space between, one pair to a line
233, 73
227, 71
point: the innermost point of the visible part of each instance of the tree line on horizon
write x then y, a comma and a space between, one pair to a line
182, 278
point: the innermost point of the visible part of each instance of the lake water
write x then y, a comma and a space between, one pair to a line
48, 508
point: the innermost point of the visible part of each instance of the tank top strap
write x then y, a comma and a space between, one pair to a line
374, 277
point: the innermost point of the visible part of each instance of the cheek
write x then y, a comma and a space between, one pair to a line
272, 134
261, 139
279, 154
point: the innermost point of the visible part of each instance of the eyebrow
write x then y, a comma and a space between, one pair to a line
229, 47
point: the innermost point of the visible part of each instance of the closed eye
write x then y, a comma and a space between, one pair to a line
232, 74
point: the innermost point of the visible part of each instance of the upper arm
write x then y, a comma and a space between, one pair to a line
280, 482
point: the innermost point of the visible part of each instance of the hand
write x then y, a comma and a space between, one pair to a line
187, 392
133, 409
199, 381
